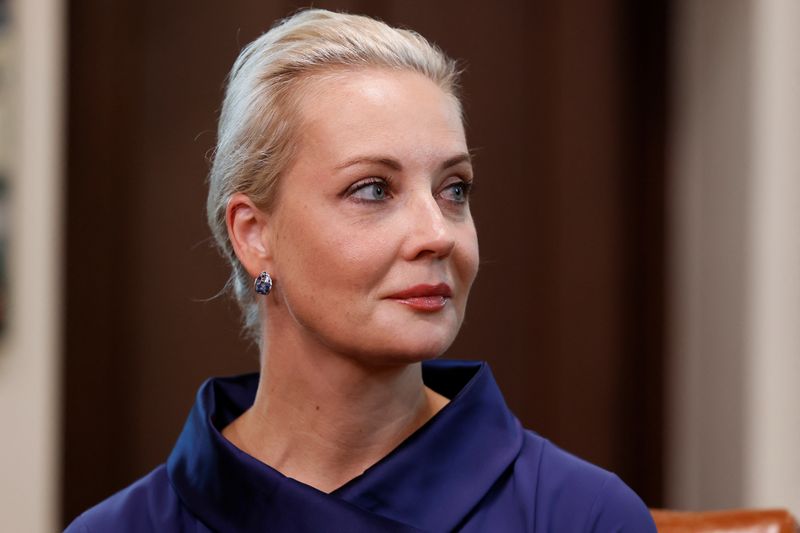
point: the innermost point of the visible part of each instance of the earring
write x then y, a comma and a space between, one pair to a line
263, 283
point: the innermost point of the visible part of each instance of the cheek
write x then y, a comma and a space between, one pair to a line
331, 259
467, 255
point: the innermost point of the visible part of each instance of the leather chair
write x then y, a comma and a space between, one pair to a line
737, 520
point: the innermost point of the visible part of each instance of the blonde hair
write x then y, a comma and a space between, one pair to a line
259, 116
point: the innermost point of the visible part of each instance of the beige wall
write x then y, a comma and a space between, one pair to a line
772, 437
734, 407
29, 362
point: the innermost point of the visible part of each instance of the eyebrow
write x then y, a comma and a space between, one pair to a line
394, 164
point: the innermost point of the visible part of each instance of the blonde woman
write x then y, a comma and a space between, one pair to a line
339, 193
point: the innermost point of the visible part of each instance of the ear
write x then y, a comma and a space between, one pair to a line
247, 230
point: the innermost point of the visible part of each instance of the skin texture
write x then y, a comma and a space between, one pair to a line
373, 204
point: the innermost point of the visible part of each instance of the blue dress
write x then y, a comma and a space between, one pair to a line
471, 468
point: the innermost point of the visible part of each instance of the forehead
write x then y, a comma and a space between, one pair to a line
396, 113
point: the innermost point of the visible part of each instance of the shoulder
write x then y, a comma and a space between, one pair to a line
575, 495
149, 504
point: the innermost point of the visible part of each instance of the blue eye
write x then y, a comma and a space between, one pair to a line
457, 192
376, 190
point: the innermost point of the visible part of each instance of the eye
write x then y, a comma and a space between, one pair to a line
457, 192
370, 190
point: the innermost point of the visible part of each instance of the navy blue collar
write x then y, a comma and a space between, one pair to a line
430, 482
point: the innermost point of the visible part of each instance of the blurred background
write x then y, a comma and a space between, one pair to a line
638, 209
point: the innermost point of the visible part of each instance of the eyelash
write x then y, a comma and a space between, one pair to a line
465, 185
386, 182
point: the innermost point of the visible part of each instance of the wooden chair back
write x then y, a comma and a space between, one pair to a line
730, 521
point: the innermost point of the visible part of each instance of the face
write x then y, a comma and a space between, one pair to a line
373, 247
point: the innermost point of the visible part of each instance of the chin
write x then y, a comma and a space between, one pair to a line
412, 346
391, 339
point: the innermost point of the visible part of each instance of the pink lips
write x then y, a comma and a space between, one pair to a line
427, 298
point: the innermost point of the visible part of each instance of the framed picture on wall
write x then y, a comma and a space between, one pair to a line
5, 154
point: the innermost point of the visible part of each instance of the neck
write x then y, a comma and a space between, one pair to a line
323, 419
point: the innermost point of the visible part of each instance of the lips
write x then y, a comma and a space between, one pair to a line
426, 298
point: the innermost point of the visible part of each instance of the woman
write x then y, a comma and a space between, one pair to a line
339, 194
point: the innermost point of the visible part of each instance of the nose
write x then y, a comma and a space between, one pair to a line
430, 232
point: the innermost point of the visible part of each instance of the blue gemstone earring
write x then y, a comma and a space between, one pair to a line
263, 283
